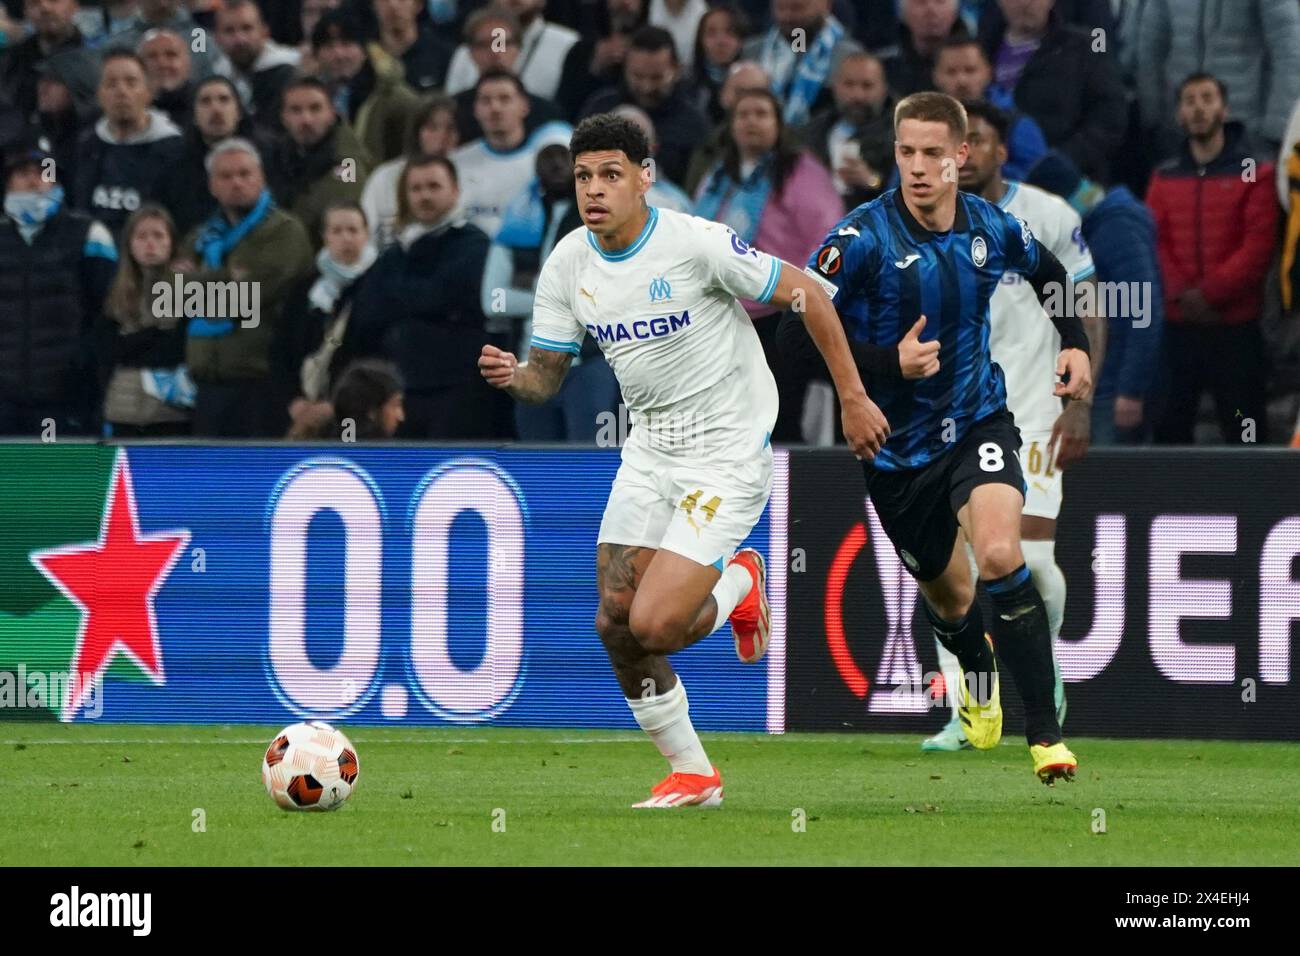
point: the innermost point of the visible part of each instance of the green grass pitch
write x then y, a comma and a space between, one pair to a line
93, 794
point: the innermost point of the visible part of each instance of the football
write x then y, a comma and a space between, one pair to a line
310, 766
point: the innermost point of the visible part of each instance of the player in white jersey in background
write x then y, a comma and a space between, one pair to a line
1026, 348
658, 291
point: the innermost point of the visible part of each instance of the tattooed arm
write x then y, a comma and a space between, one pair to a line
535, 381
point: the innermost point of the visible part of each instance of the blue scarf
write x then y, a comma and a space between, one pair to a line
216, 240
738, 205
524, 219
811, 70
32, 210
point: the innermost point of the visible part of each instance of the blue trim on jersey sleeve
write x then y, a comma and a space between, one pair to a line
718, 564
1087, 273
772, 279
98, 250
551, 345
637, 243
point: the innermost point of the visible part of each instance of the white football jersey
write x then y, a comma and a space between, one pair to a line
1022, 339
489, 179
665, 315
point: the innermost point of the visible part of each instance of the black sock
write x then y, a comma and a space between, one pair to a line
965, 639
1024, 642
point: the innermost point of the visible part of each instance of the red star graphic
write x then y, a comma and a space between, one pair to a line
113, 581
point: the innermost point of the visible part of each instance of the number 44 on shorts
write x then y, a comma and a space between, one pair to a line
709, 509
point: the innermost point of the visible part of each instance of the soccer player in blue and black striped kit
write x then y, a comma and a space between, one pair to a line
911, 274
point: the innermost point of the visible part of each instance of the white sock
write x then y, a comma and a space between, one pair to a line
666, 718
950, 667
730, 591
1040, 558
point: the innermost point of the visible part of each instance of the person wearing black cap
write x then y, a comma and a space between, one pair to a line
1121, 234
56, 266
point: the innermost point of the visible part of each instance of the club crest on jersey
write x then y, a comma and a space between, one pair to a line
829, 261
979, 251
742, 247
660, 290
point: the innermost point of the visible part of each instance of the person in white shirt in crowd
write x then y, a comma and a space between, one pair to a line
681, 18
542, 49
433, 133
491, 170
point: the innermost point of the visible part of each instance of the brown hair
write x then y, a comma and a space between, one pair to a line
130, 294
404, 218
785, 153
932, 107
430, 106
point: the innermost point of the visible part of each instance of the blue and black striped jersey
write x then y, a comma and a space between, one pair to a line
888, 271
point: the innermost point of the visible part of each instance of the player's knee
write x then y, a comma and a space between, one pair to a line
953, 602
656, 631
998, 558
612, 623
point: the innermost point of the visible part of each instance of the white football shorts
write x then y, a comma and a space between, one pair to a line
702, 510
1042, 478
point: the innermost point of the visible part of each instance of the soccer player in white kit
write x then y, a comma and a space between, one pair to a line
658, 292
1026, 350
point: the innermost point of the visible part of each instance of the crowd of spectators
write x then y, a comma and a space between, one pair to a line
378, 182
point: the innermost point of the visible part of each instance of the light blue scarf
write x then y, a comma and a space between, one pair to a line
738, 205
32, 210
811, 70
218, 237
524, 219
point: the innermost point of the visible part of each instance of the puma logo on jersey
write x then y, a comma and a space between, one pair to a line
908, 261
590, 295
849, 231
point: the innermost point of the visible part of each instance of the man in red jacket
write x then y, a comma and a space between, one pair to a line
1216, 225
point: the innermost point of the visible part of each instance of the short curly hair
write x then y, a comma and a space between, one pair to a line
610, 131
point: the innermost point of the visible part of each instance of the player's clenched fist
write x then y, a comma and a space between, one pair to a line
917, 359
498, 367
1075, 371
865, 426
